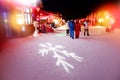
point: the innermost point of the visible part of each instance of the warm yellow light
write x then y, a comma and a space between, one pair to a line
101, 20
55, 21
20, 20
107, 16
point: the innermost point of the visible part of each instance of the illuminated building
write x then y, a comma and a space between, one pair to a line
16, 17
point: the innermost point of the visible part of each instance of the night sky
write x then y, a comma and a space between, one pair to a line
74, 8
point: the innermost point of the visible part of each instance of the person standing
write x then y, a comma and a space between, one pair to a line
43, 27
86, 28
77, 28
67, 28
71, 28
36, 25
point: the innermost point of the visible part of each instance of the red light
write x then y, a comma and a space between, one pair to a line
37, 18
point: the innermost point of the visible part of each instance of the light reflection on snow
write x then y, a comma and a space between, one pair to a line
57, 50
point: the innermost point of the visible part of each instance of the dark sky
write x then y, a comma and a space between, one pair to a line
74, 8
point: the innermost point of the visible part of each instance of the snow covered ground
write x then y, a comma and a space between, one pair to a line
55, 56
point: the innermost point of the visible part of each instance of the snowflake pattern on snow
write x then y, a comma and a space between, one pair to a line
60, 59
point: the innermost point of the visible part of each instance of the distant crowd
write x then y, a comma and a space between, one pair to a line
74, 28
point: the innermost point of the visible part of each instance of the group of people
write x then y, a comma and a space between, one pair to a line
74, 28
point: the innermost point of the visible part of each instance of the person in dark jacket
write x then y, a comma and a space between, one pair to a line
71, 28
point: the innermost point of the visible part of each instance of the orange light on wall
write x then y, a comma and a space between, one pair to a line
20, 19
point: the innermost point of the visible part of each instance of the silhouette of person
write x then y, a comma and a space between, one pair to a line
86, 28
77, 28
67, 28
71, 28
